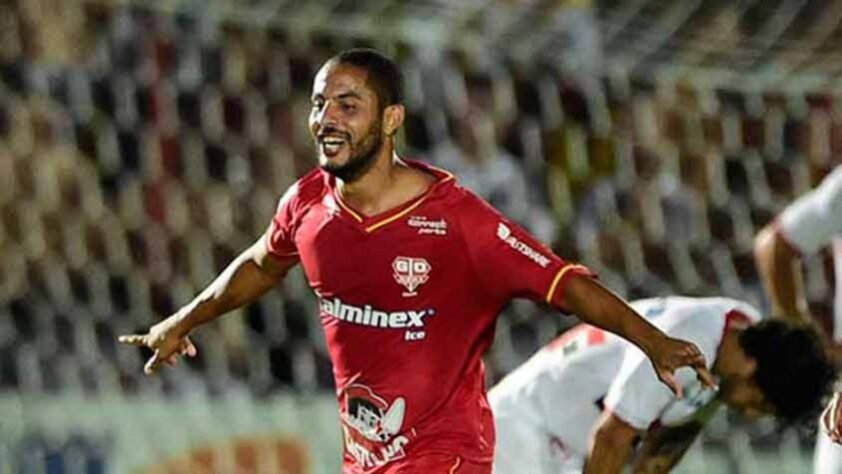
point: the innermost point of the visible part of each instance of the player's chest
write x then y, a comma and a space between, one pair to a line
405, 255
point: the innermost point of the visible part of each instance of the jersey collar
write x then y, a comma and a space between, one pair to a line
378, 221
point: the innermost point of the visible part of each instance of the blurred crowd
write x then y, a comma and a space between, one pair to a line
140, 150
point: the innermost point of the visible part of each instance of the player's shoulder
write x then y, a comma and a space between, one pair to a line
312, 184
449, 192
467, 202
834, 177
307, 189
828, 193
831, 187
743, 309
707, 314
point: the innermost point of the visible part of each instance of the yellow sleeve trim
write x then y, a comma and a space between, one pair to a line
558, 277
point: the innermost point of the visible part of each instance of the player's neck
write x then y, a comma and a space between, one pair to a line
389, 183
730, 358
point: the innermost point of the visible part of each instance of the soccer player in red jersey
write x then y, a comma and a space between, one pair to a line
411, 271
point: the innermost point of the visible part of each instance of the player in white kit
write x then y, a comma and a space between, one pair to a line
590, 395
810, 223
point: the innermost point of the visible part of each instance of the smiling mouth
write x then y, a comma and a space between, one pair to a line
331, 145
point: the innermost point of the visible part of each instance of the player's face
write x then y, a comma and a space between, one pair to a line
345, 121
746, 397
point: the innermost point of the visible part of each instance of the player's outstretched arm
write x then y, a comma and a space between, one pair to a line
245, 279
780, 271
779, 265
595, 304
611, 445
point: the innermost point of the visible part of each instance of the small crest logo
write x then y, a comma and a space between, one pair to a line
503, 231
411, 273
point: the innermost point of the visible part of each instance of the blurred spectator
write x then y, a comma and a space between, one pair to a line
474, 157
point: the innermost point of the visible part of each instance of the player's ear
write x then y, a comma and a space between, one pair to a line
748, 368
393, 116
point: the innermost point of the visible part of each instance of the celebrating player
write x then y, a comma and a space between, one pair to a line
411, 271
584, 399
810, 223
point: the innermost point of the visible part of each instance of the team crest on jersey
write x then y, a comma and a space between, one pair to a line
411, 272
371, 426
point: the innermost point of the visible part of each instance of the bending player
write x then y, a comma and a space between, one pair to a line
584, 400
810, 223
411, 271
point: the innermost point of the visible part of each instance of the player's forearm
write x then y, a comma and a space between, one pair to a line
663, 447
610, 445
780, 272
658, 464
595, 304
242, 282
608, 454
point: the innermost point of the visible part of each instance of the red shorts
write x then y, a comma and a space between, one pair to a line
437, 464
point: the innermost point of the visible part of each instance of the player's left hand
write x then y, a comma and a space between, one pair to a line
832, 418
669, 354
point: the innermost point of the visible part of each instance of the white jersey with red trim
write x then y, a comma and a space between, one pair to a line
563, 388
814, 221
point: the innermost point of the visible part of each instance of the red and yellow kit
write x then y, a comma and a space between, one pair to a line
408, 302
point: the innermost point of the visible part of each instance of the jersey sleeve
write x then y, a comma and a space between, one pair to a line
280, 240
811, 221
509, 261
636, 395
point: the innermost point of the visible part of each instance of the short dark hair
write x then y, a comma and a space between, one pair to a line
383, 75
793, 370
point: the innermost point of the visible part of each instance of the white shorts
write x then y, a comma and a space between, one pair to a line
524, 448
827, 459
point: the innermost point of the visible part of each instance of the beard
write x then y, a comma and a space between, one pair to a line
361, 156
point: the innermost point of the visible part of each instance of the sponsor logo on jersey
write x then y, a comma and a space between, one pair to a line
372, 317
411, 272
371, 426
428, 227
505, 234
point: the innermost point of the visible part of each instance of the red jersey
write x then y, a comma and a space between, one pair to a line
408, 301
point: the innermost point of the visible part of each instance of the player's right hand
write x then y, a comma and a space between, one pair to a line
668, 354
165, 340
832, 419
